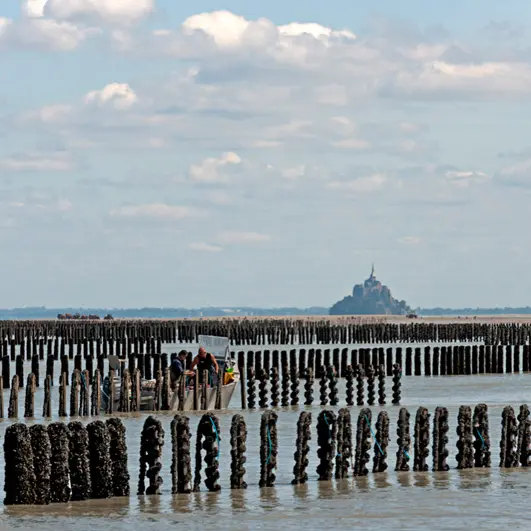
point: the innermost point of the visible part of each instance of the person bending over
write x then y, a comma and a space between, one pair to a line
205, 361
178, 367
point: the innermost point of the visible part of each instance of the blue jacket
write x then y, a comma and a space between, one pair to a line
177, 367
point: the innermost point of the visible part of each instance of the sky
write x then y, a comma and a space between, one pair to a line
238, 153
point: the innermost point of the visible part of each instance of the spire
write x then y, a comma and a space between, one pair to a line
372, 271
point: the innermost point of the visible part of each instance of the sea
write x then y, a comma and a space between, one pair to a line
483, 499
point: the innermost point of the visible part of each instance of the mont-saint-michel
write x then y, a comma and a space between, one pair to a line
370, 298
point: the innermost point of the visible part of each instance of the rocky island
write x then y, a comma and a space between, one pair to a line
370, 298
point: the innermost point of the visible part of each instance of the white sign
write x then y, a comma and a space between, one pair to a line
217, 346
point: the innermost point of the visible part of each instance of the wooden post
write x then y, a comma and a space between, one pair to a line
196, 391
243, 389
204, 396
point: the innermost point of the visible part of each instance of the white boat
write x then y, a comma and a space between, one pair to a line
207, 398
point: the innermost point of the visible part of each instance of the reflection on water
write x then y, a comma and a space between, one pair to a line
492, 498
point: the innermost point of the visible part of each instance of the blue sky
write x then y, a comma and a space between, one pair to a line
160, 153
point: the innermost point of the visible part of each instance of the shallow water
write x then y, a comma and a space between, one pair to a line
485, 499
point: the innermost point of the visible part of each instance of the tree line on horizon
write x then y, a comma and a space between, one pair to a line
169, 313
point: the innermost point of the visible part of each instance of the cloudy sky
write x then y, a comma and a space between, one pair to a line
168, 153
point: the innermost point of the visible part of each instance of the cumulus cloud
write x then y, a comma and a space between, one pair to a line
157, 211
118, 95
119, 11
244, 238
208, 171
50, 34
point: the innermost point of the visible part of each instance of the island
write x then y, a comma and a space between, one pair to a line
370, 298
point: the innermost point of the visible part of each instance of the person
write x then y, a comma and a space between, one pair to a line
205, 361
178, 367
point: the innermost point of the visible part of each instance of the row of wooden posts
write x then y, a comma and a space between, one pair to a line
86, 391
427, 361
62, 462
34, 335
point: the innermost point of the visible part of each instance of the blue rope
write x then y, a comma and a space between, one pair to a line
482, 441
270, 446
374, 435
216, 432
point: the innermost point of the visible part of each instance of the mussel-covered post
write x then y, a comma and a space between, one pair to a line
251, 388
302, 449
275, 387
481, 434
60, 458
397, 375
47, 403
422, 440
349, 376
151, 443
268, 448
363, 442
381, 442
12, 410
523, 448
360, 375
29, 405
332, 382
403, 441
42, 451
326, 442
381, 385
181, 463
308, 387
344, 443
440, 440
238, 440
465, 453
118, 456
100, 459
508, 457
262, 389
96, 394
370, 385
19, 477
80, 476
208, 437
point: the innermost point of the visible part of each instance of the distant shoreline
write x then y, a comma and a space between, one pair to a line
336, 319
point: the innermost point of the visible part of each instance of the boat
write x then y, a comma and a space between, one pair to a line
209, 397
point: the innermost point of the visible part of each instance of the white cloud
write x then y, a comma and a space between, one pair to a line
205, 247
37, 162
352, 143
208, 171
118, 95
34, 8
51, 114
463, 179
157, 211
45, 33
295, 172
409, 240
242, 237
116, 11
369, 183
219, 197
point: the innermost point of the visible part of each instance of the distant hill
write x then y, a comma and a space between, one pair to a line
370, 298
